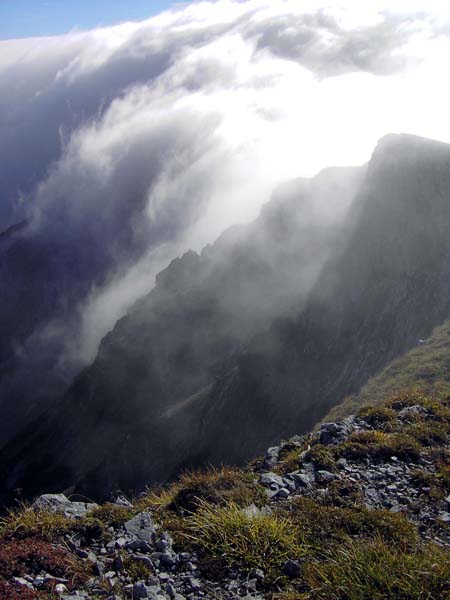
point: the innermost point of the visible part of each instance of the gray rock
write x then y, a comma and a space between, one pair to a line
444, 516
193, 584
141, 527
332, 433
257, 574
140, 591
271, 458
271, 480
411, 411
145, 560
303, 479
253, 512
122, 501
325, 476
168, 559
58, 503
118, 563
283, 493
24, 582
292, 568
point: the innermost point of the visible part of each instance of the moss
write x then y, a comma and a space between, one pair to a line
377, 570
321, 457
227, 537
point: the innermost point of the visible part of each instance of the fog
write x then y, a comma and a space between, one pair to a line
125, 146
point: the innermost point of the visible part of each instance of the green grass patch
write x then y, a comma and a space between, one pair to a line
321, 524
425, 369
25, 522
226, 536
322, 457
215, 486
379, 446
376, 570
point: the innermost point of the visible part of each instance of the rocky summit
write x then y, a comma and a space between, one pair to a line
357, 509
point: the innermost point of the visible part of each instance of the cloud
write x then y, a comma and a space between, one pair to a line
125, 146
320, 43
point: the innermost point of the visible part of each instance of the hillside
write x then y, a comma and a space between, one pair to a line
426, 368
256, 338
359, 510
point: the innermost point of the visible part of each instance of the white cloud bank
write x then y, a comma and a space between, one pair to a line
133, 143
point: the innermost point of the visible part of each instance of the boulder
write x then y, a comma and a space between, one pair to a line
141, 527
59, 503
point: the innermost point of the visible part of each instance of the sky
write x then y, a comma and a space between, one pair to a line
30, 18
135, 142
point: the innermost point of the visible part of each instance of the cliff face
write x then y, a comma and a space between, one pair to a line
255, 338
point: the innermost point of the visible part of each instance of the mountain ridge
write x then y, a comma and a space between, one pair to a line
370, 300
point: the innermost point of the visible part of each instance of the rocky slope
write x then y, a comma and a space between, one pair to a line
357, 510
233, 350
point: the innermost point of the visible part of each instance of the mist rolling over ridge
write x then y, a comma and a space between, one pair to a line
214, 225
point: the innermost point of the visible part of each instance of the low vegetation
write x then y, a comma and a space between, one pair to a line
228, 536
425, 369
214, 486
343, 550
376, 570
380, 446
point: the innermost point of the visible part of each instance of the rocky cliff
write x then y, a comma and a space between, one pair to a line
260, 335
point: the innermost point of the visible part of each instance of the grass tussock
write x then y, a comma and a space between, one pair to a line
289, 462
377, 416
228, 537
322, 457
214, 486
25, 522
430, 482
376, 570
380, 446
342, 494
428, 433
111, 515
320, 525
